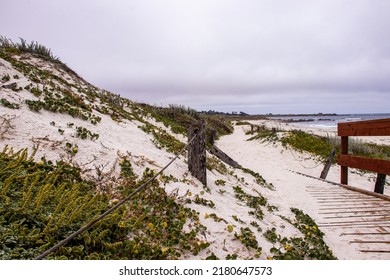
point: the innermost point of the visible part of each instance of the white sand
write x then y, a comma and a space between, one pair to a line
126, 139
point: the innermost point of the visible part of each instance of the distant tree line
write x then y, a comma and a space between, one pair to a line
213, 112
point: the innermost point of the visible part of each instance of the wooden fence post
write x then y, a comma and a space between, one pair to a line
344, 151
328, 164
380, 183
197, 151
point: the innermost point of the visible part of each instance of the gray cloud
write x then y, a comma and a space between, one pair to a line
255, 55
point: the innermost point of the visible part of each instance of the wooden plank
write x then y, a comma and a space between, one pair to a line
355, 225
355, 216
370, 241
375, 251
370, 206
344, 198
374, 165
365, 233
337, 211
365, 128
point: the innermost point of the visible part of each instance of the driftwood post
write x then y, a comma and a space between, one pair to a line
380, 183
197, 151
224, 157
328, 164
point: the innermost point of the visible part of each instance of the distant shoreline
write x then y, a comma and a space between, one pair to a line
245, 116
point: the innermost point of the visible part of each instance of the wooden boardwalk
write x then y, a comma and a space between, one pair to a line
359, 219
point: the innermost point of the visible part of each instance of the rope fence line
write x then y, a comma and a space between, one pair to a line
112, 209
300, 161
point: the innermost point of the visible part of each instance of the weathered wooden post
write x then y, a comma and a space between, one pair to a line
211, 137
197, 151
380, 183
328, 164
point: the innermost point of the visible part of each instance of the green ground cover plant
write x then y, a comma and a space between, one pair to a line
162, 139
310, 245
247, 237
9, 104
43, 202
303, 141
254, 202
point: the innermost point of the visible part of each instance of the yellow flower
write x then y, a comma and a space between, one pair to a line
121, 225
189, 193
115, 201
314, 228
206, 216
308, 234
164, 224
40, 163
270, 258
150, 226
307, 227
287, 247
164, 250
230, 228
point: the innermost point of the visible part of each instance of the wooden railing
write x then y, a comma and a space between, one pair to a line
363, 128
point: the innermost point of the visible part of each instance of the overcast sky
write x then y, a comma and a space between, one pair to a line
256, 56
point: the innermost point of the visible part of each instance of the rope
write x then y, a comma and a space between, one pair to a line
321, 163
316, 178
112, 209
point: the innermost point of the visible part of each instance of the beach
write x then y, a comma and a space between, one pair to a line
241, 213
278, 165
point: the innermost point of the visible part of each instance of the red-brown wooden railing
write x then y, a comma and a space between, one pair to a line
362, 128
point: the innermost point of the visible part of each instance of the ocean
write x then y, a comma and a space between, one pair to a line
328, 121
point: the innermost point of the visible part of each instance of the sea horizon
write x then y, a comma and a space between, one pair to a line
327, 120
